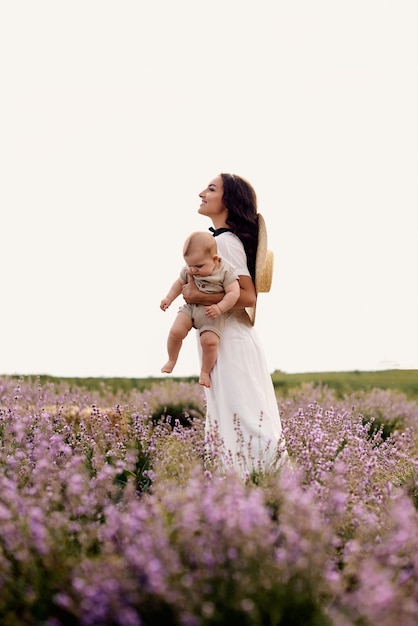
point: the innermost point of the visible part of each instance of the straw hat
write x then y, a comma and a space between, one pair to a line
263, 265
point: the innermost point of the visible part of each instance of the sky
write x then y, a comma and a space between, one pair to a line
115, 115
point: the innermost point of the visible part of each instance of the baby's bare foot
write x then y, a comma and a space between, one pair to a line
204, 379
168, 367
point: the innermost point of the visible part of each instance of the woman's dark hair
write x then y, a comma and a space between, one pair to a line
241, 201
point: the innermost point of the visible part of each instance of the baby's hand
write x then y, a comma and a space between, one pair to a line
212, 311
164, 304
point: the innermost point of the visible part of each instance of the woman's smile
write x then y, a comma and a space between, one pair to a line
212, 201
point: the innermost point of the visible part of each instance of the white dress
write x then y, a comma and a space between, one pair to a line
241, 403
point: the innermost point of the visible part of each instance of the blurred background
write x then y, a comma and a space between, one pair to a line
114, 116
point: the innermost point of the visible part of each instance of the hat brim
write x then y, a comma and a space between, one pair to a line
263, 266
264, 259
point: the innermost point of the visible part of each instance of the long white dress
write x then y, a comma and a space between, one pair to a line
241, 403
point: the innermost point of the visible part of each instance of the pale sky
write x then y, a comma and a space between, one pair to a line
115, 115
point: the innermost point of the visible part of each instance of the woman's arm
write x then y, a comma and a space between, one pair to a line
247, 297
247, 294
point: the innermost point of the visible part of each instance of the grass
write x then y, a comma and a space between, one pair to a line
405, 381
116, 385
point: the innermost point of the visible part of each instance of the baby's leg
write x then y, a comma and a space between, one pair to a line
179, 330
209, 342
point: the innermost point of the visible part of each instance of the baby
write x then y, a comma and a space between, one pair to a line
211, 275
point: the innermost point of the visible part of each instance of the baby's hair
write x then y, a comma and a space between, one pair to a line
202, 241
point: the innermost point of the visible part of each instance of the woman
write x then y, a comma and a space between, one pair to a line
241, 403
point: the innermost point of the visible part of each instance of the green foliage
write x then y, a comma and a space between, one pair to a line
342, 383
176, 413
139, 473
103, 385
410, 484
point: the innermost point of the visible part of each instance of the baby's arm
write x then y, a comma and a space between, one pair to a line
175, 290
192, 295
232, 293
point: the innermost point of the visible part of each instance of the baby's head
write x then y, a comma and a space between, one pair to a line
200, 253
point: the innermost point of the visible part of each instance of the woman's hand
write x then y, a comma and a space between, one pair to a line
190, 292
192, 295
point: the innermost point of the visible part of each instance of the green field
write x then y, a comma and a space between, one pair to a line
405, 381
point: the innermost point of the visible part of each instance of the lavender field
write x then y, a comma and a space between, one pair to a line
112, 513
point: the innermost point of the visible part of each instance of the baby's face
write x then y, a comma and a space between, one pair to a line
200, 264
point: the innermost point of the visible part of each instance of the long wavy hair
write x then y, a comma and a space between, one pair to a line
241, 201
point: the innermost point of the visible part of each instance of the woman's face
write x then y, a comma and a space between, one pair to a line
212, 204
